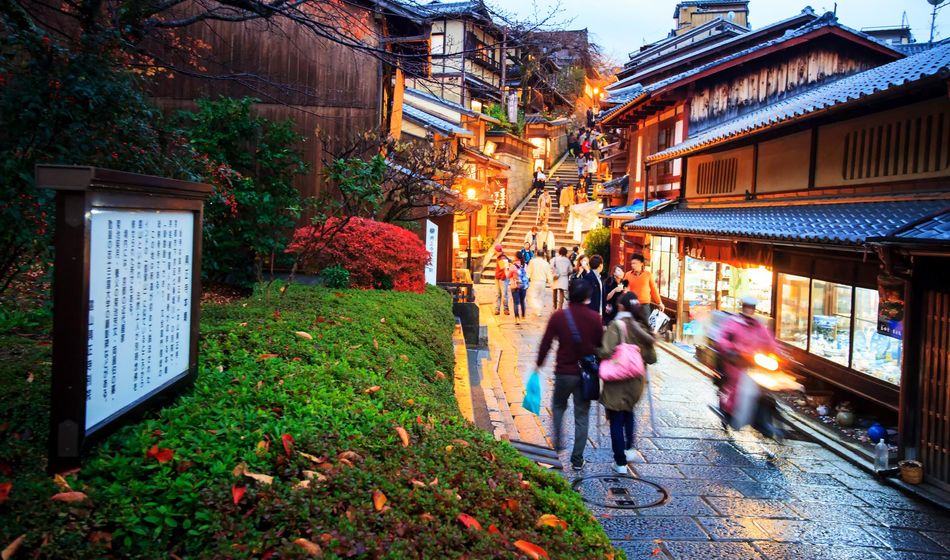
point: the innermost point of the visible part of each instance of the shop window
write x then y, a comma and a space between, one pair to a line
737, 283
873, 353
699, 288
792, 310
664, 265
831, 321
666, 137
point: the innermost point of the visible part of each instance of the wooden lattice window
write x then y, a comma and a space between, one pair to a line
906, 146
717, 177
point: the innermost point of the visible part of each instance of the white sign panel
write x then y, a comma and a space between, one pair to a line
139, 306
512, 108
432, 245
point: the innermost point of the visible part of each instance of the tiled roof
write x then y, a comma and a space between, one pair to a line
917, 48
801, 19
541, 119
450, 8
456, 106
637, 57
849, 223
439, 125
826, 21
852, 89
937, 228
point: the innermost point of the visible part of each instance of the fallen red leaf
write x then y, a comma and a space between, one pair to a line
268, 356
5, 488
532, 550
237, 492
68, 497
469, 521
288, 441
493, 530
311, 548
162, 455
379, 500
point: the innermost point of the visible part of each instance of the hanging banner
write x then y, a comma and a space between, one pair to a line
890, 306
432, 245
512, 108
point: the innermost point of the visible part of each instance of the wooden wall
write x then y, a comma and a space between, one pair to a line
319, 84
725, 97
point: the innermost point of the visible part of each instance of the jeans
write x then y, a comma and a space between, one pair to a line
501, 287
518, 297
558, 298
621, 433
566, 385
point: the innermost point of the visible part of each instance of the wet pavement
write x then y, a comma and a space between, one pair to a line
730, 494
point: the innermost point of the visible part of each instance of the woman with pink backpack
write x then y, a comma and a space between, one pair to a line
625, 351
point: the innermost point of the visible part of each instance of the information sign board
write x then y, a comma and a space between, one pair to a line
126, 296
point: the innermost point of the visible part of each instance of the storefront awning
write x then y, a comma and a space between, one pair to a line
851, 223
633, 210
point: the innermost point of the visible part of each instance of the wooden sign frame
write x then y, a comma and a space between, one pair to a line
80, 192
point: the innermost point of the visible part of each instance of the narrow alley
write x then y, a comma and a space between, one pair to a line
722, 495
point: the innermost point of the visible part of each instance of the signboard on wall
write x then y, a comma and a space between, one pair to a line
512, 107
432, 245
890, 306
126, 299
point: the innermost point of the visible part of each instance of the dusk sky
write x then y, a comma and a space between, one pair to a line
622, 26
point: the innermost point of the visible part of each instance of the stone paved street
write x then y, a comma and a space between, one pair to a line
731, 495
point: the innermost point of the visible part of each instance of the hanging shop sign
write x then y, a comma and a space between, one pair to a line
432, 246
126, 297
890, 306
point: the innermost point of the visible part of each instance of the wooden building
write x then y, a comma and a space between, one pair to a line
830, 205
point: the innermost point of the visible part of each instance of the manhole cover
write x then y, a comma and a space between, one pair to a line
620, 492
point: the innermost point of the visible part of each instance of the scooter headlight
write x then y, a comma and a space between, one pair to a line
766, 361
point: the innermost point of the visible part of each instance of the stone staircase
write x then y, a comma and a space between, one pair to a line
522, 221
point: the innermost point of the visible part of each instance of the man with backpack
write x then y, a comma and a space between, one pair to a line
579, 332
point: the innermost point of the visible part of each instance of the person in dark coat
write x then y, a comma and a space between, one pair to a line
567, 373
614, 287
592, 276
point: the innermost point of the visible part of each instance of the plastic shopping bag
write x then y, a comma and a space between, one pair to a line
658, 320
532, 396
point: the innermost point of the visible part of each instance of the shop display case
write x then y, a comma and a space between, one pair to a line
873, 353
736, 283
831, 321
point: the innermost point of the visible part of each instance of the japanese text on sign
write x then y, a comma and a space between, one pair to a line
140, 278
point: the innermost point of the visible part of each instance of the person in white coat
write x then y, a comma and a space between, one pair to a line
545, 241
561, 269
539, 276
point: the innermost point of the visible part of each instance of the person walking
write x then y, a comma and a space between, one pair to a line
575, 252
526, 253
592, 276
614, 287
641, 283
539, 276
566, 198
621, 396
561, 268
581, 166
544, 207
568, 325
580, 193
585, 146
531, 237
540, 179
590, 117
501, 279
518, 279
545, 241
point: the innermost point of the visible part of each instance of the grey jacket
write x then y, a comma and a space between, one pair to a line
561, 268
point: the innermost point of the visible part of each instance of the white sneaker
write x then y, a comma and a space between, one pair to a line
621, 469
630, 454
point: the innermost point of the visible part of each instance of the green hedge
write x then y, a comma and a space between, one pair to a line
321, 392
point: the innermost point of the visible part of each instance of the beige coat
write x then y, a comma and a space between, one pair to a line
567, 197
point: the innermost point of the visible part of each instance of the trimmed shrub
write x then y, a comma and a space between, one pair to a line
335, 277
597, 242
289, 442
376, 254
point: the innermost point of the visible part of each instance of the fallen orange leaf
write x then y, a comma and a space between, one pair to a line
304, 335
61, 483
68, 497
375, 344
162, 455
371, 390
418, 483
551, 520
439, 375
101, 537
493, 530
5, 488
469, 521
379, 500
313, 458
11, 548
533, 551
403, 435
312, 548
237, 492
268, 356
461, 442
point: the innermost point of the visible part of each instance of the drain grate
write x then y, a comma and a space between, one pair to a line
620, 492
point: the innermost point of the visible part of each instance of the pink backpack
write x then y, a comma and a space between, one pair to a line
626, 363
